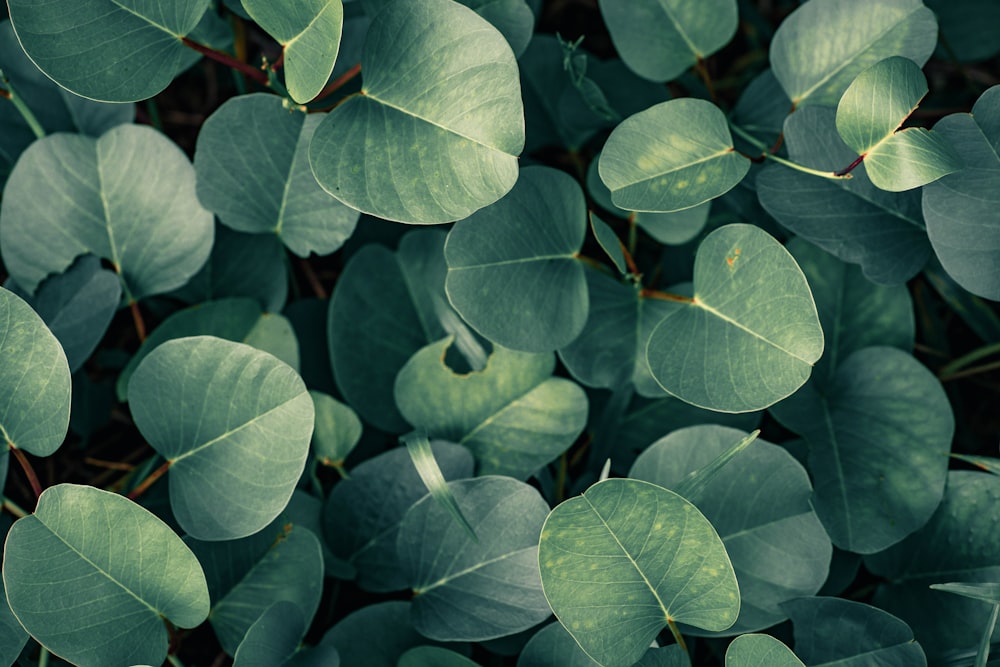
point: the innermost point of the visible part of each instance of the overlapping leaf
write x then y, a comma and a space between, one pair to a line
273, 637
375, 636
337, 430
219, 411
625, 558
750, 335
137, 43
524, 296
92, 576
430, 147
672, 156
127, 197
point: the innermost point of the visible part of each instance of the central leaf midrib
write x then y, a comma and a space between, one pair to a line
698, 303
309, 25
147, 20
508, 262
419, 590
687, 165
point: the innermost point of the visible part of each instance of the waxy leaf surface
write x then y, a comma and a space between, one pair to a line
427, 143
524, 296
751, 334
821, 47
253, 172
760, 651
219, 412
309, 33
35, 382
456, 598
962, 210
626, 557
513, 415
92, 576
659, 39
137, 43
672, 156
128, 197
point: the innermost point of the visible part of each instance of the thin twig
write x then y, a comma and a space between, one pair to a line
149, 481
339, 82
140, 326
226, 59
29, 472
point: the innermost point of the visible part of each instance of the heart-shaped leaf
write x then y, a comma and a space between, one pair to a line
627, 557
35, 381
513, 415
523, 296
507, 516
137, 43
253, 172
855, 35
659, 39
128, 197
217, 411
309, 33
750, 335
760, 651
111, 574
963, 210
879, 436
430, 148
672, 156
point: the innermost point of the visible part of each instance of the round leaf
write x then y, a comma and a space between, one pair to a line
772, 491
879, 436
760, 651
35, 384
524, 296
488, 588
854, 34
92, 576
337, 429
751, 334
432, 147
309, 33
233, 422
128, 197
273, 637
253, 172
878, 101
672, 156
659, 39
137, 43
625, 558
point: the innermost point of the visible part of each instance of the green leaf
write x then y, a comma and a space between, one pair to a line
967, 27
253, 172
672, 156
958, 543
375, 636
218, 411
855, 313
13, 637
910, 158
524, 296
878, 101
306, 510
110, 575
419, 449
137, 43
625, 558
385, 307
694, 484
986, 592
832, 631
238, 320
433, 656
282, 562
35, 381
852, 219
337, 430
854, 35
513, 18
456, 598
773, 493
609, 242
127, 197
362, 514
760, 651
751, 334
514, 416
422, 149
273, 637
659, 39
963, 210
309, 34
879, 436
553, 646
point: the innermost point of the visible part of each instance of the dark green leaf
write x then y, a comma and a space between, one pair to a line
273, 637
760, 651
419, 448
434, 656
375, 636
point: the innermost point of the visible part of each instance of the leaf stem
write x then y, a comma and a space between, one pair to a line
14, 508
140, 326
664, 296
677, 635
9, 93
149, 481
966, 359
849, 168
257, 75
312, 278
633, 235
701, 68
339, 82
43, 657
975, 370
766, 154
29, 472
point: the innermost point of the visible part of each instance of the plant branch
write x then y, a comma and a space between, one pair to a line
312, 278
339, 82
966, 359
975, 370
677, 635
29, 472
767, 155
849, 168
149, 481
226, 59
8, 92
140, 326
14, 508
664, 296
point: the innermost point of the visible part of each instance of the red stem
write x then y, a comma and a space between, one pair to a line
665, 296
849, 168
149, 481
279, 62
339, 82
29, 472
226, 59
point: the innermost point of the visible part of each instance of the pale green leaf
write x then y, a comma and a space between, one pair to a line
337, 429
760, 651
419, 448
878, 101
911, 158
